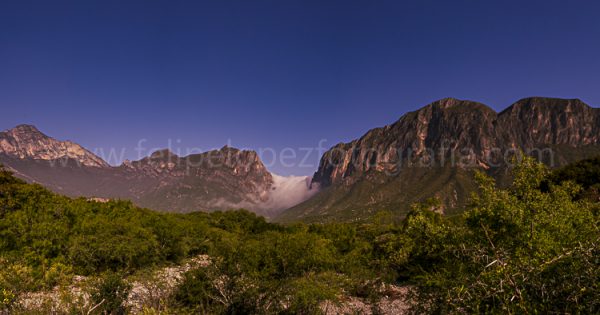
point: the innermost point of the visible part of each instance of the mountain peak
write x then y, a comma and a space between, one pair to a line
537, 103
26, 128
448, 102
26, 131
550, 100
163, 154
27, 142
226, 149
454, 103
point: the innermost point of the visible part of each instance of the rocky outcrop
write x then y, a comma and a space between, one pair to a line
147, 292
151, 293
26, 141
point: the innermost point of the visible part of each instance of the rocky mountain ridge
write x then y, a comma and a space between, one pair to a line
469, 129
214, 180
26, 141
430, 152
437, 147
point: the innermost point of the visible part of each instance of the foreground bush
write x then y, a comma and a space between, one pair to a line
109, 293
518, 250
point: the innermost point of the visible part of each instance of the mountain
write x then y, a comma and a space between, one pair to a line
434, 151
27, 142
219, 179
431, 152
215, 180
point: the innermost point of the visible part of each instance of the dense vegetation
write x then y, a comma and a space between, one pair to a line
585, 173
530, 248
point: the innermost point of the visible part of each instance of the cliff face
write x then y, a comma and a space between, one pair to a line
429, 133
215, 180
437, 147
453, 128
539, 121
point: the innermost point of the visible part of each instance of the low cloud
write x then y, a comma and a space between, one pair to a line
289, 191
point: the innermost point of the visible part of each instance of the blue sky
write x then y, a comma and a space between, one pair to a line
278, 74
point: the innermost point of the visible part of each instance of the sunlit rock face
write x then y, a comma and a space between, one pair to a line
26, 141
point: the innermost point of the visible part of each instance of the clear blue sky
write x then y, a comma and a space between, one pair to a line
282, 73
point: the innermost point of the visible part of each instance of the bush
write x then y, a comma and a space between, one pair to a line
519, 250
307, 293
110, 293
7, 298
198, 291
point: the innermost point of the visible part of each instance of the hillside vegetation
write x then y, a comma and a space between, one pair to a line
529, 248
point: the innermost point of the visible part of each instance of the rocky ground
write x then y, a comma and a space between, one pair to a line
146, 292
150, 292
394, 302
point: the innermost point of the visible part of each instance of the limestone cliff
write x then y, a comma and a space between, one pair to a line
433, 151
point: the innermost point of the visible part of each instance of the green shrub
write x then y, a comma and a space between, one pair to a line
7, 298
519, 250
110, 292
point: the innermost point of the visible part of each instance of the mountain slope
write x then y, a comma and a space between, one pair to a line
434, 151
27, 142
215, 180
